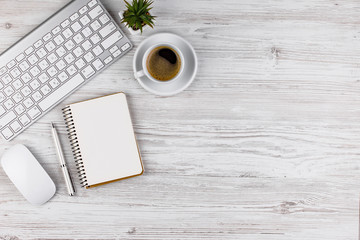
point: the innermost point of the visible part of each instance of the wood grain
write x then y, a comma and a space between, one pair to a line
265, 144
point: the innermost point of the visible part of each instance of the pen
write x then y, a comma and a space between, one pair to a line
68, 181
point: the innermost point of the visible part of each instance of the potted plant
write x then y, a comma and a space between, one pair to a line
137, 16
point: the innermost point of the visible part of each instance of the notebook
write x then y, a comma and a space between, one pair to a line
103, 140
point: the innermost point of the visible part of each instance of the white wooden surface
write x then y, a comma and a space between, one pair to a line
265, 144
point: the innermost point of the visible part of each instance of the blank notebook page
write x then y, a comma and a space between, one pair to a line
106, 139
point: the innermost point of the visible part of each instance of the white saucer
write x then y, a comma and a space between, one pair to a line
186, 77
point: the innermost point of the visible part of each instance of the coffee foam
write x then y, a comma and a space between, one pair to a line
161, 65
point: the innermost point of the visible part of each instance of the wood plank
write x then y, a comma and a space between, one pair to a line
263, 145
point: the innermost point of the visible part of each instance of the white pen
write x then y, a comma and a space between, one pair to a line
68, 181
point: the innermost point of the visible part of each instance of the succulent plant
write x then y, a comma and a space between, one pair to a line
137, 14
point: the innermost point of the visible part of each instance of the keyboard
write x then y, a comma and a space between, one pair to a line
60, 55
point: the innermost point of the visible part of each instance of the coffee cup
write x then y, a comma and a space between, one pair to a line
162, 63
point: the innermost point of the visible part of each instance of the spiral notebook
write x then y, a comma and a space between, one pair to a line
103, 140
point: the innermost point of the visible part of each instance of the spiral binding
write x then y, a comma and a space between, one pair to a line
75, 148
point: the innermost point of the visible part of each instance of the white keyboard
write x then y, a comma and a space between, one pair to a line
55, 59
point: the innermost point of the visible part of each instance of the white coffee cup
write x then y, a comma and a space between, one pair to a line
144, 71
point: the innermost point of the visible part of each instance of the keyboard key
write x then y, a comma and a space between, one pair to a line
69, 45
38, 43
63, 76
78, 51
88, 71
11, 64
87, 32
97, 50
34, 84
9, 104
69, 58
52, 71
33, 59
28, 103
34, 112
6, 79
84, 20
76, 27
54, 83
95, 38
43, 77
56, 30
95, 25
117, 53
52, 58
61, 51
35, 71
2, 70
74, 16
8, 91
41, 52
95, 12
83, 10
2, 111
78, 38
26, 77
47, 37
67, 33
108, 59
116, 36
7, 118
59, 40
43, 64
15, 72
36, 96
24, 120
1, 85
92, 3
45, 89
29, 50
61, 92
17, 84
125, 46
15, 126
26, 91
98, 64
50, 46
80, 63
2, 97
71, 70
24, 66
19, 109
107, 29
61, 65
86, 45
65, 23
20, 57
7, 133
89, 57
104, 18
17, 97
113, 49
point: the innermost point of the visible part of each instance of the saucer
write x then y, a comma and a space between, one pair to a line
177, 85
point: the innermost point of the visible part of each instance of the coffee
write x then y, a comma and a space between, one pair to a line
163, 63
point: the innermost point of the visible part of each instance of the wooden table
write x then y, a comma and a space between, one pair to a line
265, 144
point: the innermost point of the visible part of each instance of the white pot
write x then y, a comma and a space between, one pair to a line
132, 32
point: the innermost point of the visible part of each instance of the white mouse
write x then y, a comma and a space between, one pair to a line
28, 175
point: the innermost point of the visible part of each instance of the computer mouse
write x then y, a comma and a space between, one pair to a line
28, 175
